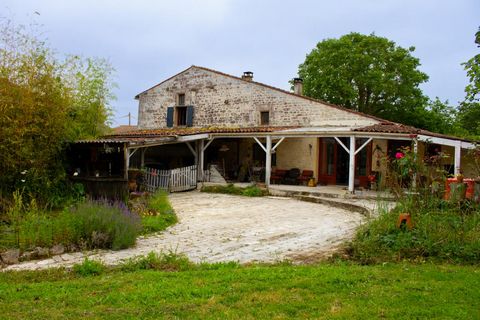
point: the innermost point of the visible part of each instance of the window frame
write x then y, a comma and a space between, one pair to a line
262, 122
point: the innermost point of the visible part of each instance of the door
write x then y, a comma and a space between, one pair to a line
328, 159
334, 162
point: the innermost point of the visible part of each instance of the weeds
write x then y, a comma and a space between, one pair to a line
250, 191
89, 268
170, 261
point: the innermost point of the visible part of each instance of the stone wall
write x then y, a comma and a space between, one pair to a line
223, 101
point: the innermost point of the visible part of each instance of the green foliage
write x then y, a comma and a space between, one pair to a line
469, 111
88, 225
105, 225
326, 291
89, 268
366, 73
156, 212
442, 232
170, 261
45, 102
250, 191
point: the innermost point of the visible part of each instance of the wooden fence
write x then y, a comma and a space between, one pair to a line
174, 180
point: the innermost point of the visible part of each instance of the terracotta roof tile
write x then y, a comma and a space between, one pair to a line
153, 133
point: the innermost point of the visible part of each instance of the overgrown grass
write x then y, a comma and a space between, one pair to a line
229, 291
250, 191
443, 231
156, 212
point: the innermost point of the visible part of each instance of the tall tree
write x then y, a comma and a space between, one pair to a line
45, 102
366, 73
469, 111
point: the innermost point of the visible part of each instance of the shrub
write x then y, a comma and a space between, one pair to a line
89, 268
102, 224
155, 211
442, 232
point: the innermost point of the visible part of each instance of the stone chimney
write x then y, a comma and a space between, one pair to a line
298, 86
247, 75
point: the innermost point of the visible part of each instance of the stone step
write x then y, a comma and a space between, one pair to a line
335, 203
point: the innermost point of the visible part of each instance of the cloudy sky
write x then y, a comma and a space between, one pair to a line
149, 41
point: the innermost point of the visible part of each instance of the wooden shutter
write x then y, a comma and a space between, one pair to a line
170, 111
189, 116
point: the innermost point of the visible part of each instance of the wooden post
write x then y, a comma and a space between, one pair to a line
126, 156
201, 150
415, 155
268, 161
458, 158
142, 158
351, 166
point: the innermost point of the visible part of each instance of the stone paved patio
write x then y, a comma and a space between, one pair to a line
216, 227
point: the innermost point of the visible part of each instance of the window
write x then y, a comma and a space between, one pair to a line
181, 116
181, 99
264, 118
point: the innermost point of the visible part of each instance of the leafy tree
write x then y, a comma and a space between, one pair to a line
44, 104
438, 116
469, 111
366, 73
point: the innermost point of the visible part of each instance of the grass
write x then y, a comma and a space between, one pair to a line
156, 212
229, 291
443, 232
250, 191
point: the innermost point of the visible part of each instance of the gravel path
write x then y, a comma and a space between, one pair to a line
216, 227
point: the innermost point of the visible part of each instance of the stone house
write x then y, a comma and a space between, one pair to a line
202, 116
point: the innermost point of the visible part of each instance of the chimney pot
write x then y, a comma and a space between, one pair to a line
298, 86
247, 75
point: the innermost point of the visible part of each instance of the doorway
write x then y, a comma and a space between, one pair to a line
334, 162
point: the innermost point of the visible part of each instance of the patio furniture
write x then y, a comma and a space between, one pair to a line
278, 175
305, 177
292, 176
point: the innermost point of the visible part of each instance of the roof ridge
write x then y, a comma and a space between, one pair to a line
270, 87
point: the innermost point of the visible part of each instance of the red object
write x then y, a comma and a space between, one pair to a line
278, 176
470, 187
405, 218
305, 176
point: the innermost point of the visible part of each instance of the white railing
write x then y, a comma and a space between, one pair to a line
174, 180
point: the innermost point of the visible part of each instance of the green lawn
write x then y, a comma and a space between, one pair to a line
326, 291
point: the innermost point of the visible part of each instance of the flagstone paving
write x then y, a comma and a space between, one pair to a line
217, 227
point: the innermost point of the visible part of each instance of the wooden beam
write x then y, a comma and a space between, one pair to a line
201, 164
278, 143
261, 144
458, 159
351, 166
208, 143
363, 146
341, 143
268, 161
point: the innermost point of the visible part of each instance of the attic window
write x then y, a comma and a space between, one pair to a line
264, 118
181, 99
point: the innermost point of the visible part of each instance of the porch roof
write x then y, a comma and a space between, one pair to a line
385, 130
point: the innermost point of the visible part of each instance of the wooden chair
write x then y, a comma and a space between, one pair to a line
305, 177
292, 176
278, 176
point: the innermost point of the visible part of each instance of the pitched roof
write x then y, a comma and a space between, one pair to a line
269, 87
